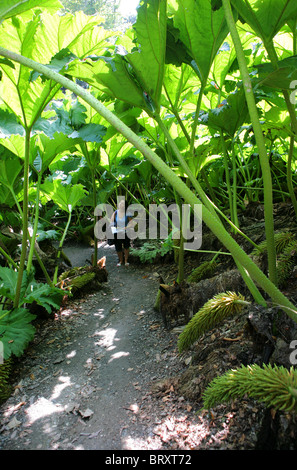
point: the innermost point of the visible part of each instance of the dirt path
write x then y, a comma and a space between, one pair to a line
86, 382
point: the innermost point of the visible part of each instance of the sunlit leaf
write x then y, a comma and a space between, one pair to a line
202, 31
266, 17
66, 197
10, 8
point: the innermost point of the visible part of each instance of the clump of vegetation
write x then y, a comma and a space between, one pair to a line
5, 387
274, 386
281, 240
149, 251
286, 262
204, 271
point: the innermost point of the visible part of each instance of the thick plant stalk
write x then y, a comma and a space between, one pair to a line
289, 174
35, 228
212, 222
227, 175
266, 173
25, 220
55, 278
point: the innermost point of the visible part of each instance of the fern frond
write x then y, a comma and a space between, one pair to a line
275, 386
212, 313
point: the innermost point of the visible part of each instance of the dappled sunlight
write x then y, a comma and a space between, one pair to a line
99, 313
118, 355
177, 432
65, 382
41, 408
107, 338
71, 355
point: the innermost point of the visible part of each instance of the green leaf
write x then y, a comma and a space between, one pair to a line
49, 148
266, 17
24, 98
31, 291
59, 36
282, 77
67, 197
90, 133
230, 115
16, 331
148, 61
10, 8
8, 280
9, 171
136, 77
77, 114
202, 31
9, 124
44, 295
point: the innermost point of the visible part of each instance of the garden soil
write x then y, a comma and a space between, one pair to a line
105, 374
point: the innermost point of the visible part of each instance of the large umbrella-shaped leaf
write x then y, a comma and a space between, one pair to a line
66, 197
10, 8
148, 61
20, 95
79, 34
135, 77
49, 39
202, 31
266, 17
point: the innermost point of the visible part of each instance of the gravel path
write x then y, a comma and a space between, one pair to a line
86, 381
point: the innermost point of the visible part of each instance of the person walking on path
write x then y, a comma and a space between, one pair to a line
120, 220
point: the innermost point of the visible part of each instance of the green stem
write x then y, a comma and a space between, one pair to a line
93, 173
8, 258
35, 228
25, 219
30, 241
264, 161
235, 214
186, 134
227, 175
195, 123
289, 174
55, 278
210, 220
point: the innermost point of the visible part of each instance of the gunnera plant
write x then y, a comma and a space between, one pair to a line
213, 312
275, 386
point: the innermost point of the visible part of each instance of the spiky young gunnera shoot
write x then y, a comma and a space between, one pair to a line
212, 313
275, 386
